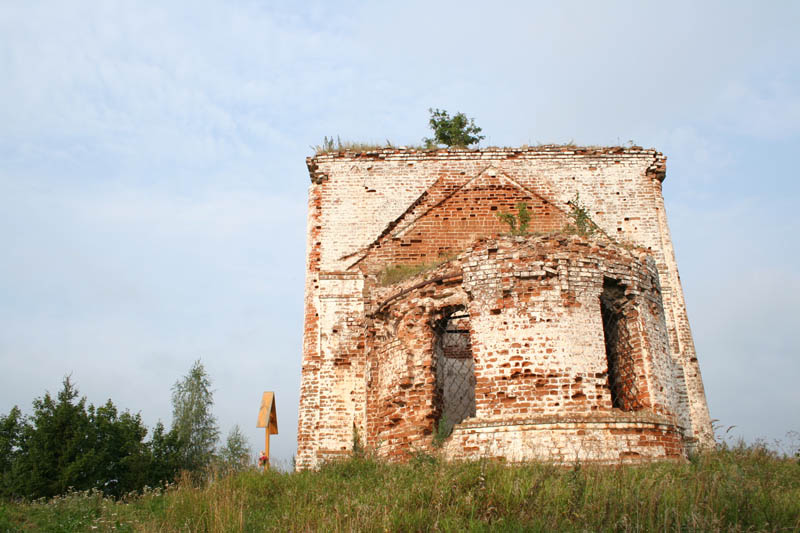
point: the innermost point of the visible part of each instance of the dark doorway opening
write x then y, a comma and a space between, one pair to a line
454, 366
622, 381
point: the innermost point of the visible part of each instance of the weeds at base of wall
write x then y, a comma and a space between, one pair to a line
358, 446
736, 488
443, 430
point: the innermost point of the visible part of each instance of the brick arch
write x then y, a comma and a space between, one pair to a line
401, 413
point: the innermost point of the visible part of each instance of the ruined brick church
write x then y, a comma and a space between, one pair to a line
546, 344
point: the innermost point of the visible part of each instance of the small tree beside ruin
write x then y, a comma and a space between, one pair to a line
192, 419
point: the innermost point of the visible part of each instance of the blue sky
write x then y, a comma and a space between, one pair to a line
153, 182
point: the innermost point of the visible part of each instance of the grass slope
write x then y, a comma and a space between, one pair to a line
738, 489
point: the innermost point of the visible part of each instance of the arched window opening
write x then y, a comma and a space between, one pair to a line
619, 351
454, 370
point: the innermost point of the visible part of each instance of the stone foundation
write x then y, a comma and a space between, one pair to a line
565, 440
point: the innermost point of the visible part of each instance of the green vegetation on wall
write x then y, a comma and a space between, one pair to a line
581, 223
331, 145
457, 131
396, 273
517, 224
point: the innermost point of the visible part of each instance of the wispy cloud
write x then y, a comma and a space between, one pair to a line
152, 177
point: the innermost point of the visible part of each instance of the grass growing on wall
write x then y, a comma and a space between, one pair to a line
734, 489
396, 273
331, 145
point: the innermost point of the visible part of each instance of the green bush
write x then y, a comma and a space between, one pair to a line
67, 445
458, 130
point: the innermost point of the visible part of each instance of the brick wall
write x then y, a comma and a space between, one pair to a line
537, 341
452, 214
367, 211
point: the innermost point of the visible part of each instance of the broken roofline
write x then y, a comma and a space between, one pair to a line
546, 151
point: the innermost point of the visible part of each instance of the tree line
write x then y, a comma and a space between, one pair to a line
69, 445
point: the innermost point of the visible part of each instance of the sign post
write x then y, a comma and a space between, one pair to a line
267, 419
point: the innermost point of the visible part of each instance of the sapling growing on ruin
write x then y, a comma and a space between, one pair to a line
458, 130
518, 224
582, 223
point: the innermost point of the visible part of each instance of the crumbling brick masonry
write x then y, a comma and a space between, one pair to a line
547, 345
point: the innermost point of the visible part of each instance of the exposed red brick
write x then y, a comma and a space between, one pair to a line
534, 334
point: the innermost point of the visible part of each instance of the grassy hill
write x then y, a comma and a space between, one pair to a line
734, 489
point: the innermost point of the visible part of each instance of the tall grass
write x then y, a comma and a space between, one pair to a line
734, 489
